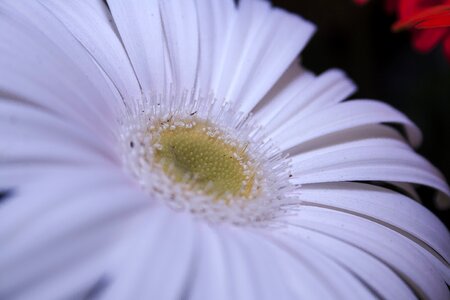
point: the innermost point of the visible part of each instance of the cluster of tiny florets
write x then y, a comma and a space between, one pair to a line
263, 188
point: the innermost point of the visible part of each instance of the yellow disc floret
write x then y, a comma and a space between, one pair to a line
198, 154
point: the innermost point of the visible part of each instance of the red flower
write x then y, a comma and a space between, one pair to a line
429, 21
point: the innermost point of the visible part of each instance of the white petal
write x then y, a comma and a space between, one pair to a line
51, 195
257, 268
30, 134
387, 245
407, 189
272, 272
260, 47
214, 22
174, 249
294, 80
140, 28
18, 174
213, 256
159, 254
73, 281
31, 36
389, 208
373, 272
369, 135
60, 221
181, 36
322, 92
247, 274
341, 117
375, 160
89, 22
342, 283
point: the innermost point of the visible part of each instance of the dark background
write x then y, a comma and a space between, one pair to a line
358, 39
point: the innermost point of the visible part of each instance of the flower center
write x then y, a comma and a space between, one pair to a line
197, 153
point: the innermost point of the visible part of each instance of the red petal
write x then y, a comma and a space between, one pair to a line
425, 40
441, 12
435, 22
407, 8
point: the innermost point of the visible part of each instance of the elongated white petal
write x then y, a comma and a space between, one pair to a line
14, 175
31, 36
321, 92
177, 245
376, 160
293, 82
181, 36
341, 117
371, 271
407, 189
214, 20
348, 286
74, 281
290, 276
384, 206
52, 138
273, 48
254, 59
90, 24
140, 28
369, 135
70, 180
212, 254
62, 227
387, 245
147, 270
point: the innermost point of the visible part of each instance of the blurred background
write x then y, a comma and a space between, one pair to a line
358, 39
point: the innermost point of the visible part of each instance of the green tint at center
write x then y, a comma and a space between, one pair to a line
205, 159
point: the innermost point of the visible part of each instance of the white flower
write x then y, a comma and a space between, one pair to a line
113, 124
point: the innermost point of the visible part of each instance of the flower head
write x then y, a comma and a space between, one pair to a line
177, 149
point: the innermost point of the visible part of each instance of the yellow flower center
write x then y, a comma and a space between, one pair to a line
201, 156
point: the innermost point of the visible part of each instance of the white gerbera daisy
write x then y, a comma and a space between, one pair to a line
177, 150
